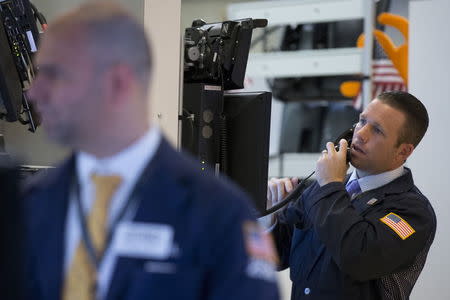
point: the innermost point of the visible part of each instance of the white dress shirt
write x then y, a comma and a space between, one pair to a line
129, 164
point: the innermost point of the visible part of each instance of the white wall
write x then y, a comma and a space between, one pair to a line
162, 21
429, 77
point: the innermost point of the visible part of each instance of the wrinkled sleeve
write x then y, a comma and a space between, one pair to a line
243, 263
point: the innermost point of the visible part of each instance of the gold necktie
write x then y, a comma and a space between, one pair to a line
81, 279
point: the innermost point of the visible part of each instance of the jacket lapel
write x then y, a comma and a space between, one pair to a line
54, 201
160, 195
366, 200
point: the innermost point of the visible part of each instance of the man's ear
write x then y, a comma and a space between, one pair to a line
405, 150
118, 83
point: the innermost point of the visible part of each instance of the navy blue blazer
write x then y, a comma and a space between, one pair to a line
207, 216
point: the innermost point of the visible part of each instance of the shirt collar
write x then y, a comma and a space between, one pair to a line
128, 163
371, 182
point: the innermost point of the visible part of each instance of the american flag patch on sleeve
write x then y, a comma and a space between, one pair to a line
400, 226
259, 244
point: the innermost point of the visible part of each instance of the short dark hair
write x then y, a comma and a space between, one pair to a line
416, 115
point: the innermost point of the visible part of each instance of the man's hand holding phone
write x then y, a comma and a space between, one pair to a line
332, 165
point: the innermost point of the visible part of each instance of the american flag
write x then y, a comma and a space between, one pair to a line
259, 244
400, 226
385, 77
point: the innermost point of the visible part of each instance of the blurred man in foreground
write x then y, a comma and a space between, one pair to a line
126, 216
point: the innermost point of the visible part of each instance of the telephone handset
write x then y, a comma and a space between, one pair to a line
295, 194
346, 135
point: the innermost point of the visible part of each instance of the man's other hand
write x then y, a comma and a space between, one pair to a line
277, 190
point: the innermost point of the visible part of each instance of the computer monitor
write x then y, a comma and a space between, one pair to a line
248, 135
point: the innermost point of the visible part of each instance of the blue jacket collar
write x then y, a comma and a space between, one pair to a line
54, 191
161, 191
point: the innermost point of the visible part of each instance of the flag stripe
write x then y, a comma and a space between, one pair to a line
400, 226
385, 78
397, 228
391, 217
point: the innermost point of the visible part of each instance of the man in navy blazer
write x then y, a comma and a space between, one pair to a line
171, 233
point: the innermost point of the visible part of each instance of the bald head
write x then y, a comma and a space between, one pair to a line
109, 33
92, 85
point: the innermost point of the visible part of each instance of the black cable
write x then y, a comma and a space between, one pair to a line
223, 144
188, 116
38, 15
27, 110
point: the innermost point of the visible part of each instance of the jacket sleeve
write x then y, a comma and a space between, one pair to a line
288, 219
282, 234
363, 246
242, 256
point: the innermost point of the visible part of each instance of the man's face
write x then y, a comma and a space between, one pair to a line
375, 146
66, 89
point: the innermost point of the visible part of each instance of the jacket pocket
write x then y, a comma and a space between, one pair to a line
159, 282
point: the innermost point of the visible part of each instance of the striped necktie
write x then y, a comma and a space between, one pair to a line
80, 281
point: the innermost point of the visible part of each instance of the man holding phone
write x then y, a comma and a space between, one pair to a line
365, 235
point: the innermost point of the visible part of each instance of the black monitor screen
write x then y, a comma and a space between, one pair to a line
248, 132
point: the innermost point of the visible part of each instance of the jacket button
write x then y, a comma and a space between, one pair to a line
307, 291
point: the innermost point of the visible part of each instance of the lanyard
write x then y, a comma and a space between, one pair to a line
95, 259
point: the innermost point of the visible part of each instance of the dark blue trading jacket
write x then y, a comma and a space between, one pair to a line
338, 249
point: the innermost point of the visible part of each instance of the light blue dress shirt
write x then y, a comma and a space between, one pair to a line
371, 182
